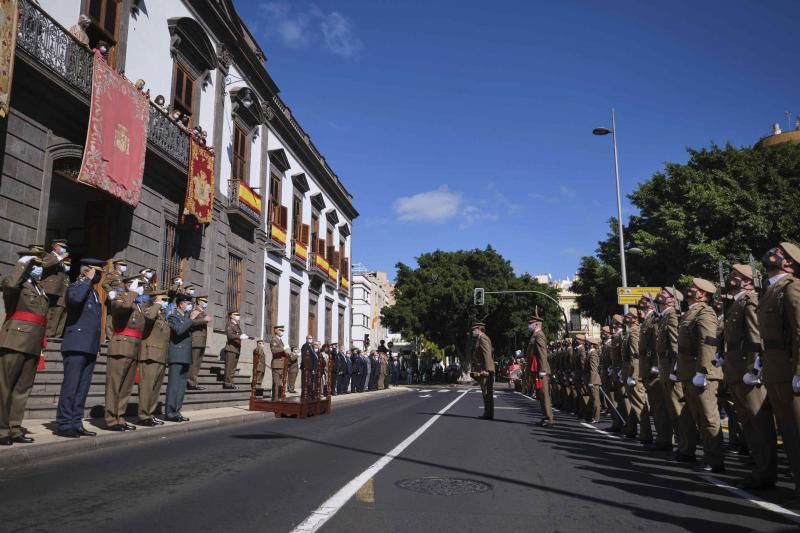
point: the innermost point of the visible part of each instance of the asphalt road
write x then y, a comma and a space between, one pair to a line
448, 472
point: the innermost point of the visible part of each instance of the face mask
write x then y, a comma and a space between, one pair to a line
202, 305
475, 332
163, 304
187, 308
123, 269
530, 327
235, 318
61, 250
140, 290
148, 276
178, 282
36, 271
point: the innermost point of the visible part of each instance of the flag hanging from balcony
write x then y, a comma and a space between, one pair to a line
200, 187
8, 43
116, 143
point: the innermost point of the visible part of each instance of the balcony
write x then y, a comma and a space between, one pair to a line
278, 236
53, 51
244, 204
344, 285
299, 254
319, 268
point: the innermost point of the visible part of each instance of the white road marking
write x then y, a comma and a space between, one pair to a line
509, 408
444, 390
606, 433
769, 506
329, 508
426, 390
425, 396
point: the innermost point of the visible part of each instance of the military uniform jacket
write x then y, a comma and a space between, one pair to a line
580, 363
630, 360
697, 341
199, 331
617, 349
647, 346
233, 332
605, 359
260, 359
537, 347
594, 367
82, 330
667, 342
112, 282
482, 354
742, 338
278, 353
779, 324
126, 314
22, 294
53, 275
155, 342
180, 338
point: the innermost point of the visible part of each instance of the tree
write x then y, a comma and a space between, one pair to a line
434, 300
723, 204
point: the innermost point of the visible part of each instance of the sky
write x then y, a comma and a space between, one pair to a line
457, 124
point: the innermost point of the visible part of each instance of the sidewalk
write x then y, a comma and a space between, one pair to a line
48, 445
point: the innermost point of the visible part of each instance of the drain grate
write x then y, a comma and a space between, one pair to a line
444, 486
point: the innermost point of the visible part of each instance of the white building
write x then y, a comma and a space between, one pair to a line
567, 300
371, 293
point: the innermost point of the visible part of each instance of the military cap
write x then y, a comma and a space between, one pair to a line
704, 285
38, 248
792, 250
745, 271
92, 262
675, 293
182, 298
203, 298
278, 327
131, 278
158, 295
632, 314
119, 262
260, 340
478, 324
605, 329
580, 336
145, 270
536, 317
594, 341
58, 241
234, 313
617, 318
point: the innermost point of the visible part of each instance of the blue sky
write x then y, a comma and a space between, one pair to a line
461, 123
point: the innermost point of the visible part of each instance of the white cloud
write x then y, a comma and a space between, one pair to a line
299, 28
472, 214
439, 205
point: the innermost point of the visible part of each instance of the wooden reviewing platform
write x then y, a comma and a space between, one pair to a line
312, 401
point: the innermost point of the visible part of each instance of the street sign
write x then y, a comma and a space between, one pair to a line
631, 295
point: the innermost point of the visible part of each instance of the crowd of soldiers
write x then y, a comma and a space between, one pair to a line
679, 360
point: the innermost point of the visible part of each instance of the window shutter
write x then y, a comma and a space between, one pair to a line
284, 216
304, 229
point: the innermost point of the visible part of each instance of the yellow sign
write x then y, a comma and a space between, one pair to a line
627, 300
637, 291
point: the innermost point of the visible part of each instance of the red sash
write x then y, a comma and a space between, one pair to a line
29, 317
128, 332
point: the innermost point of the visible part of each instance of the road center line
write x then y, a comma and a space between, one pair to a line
330, 507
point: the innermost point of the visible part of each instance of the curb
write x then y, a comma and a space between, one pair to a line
21, 456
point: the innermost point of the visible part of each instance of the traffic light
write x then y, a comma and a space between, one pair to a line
478, 296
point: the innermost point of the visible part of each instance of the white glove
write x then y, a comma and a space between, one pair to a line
796, 384
717, 361
699, 380
542, 374
610, 371
673, 377
25, 259
134, 285
591, 386
654, 371
631, 382
243, 337
619, 375
112, 295
757, 366
751, 379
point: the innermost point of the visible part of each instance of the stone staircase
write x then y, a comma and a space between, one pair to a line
47, 386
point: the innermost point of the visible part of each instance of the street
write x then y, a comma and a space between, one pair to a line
445, 472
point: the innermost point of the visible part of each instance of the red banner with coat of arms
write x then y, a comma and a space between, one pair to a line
116, 143
8, 39
200, 186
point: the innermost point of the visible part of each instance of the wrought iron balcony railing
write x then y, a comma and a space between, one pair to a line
165, 134
45, 40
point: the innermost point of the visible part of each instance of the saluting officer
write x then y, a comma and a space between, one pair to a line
54, 282
79, 349
153, 358
233, 332
779, 323
128, 321
741, 368
112, 282
21, 339
180, 355
199, 337
483, 367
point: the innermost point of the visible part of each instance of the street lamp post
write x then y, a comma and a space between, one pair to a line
613, 131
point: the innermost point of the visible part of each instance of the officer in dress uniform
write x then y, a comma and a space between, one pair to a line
260, 365
128, 321
537, 348
697, 341
233, 348
21, 339
779, 323
648, 375
54, 283
60, 309
153, 358
294, 369
593, 380
741, 369
639, 414
617, 384
148, 276
176, 287
80, 349
279, 357
199, 337
482, 369
112, 282
179, 357
668, 302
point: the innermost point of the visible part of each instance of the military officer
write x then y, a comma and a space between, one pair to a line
153, 357
639, 414
668, 302
112, 282
176, 287
605, 363
54, 282
697, 341
617, 384
128, 321
482, 369
279, 356
593, 381
648, 375
374, 366
779, 322
741, 369
21, 339
260, 366
179, 357
79, 349
60, 309
233, 348
308, 359
148, 276
537, 348
199, 337
294, 368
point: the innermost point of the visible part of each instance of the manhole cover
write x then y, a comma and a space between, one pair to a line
443, 486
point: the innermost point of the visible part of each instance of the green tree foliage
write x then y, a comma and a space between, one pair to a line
723, 204
435, 300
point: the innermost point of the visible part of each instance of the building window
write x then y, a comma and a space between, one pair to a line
170, 254
277, 212
297, 217
312, 317
574, 320
294, 317
239, 170
104, 16
270, 303
235, 283
328, 321
183, 91
330, 247
315, 240
341, 328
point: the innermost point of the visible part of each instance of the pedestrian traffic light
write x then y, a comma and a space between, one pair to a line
478, 296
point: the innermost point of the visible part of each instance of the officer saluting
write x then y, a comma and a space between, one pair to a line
112, 283
153, 358
199, 337
53, 282
79, 349
21, 339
